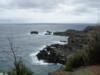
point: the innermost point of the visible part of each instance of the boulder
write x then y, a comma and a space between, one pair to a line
34, 32
48, 33
49, 55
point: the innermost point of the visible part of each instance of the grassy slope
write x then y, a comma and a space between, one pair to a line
90, 70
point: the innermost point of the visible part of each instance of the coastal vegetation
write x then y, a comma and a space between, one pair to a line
19, 67
90, 56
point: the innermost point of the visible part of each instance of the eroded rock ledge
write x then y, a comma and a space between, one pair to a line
78, 40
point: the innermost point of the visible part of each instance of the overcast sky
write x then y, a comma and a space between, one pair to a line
49, 11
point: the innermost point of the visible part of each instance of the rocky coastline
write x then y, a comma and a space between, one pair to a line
52, 54
77, 40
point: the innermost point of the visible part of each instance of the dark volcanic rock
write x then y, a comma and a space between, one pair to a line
48, 33
67, 32
34, 32
78, 40
49, 55
43, 54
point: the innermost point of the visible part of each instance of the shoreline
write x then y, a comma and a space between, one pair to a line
78, 40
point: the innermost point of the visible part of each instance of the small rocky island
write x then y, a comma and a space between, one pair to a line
34, 32
45, 33
78, 40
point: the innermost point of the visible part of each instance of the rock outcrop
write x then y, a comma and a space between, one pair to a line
48, 33
34, 32
51, 54
44, 33
78, 40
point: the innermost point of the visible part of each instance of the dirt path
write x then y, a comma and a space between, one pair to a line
95, 69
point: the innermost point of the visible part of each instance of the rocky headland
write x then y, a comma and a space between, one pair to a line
78, 40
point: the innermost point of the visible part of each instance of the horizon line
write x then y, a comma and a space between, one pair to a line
48, 23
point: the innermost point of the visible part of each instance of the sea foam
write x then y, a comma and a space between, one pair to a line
35, 59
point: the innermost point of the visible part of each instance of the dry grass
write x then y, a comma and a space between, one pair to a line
90, 70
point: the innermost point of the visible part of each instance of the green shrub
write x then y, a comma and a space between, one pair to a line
21, 69
88, 56
94, 57
74, 61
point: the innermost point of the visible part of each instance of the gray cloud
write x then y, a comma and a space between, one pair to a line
37, 3
79, 8
47, 4
85, 6
89, 3
27, 4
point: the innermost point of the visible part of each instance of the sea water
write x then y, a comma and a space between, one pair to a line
26, 45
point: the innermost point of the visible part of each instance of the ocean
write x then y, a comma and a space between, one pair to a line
27, 45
